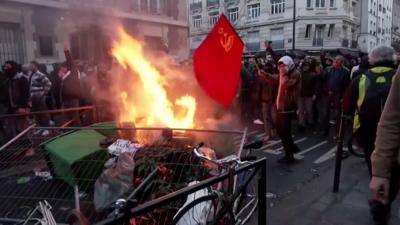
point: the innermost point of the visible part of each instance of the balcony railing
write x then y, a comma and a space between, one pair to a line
318, 42
345, 43
195, 6
354, 44
228, 2
278, 44
212, 3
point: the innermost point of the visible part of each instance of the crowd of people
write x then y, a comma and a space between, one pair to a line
320, 91
275, 90
35, 88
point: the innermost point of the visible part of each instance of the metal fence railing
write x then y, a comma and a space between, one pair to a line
12, 124
72, 170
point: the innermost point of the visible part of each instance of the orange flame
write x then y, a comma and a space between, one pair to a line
151, 106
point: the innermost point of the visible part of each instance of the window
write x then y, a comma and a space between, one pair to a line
46, 45
277, 39
214, 18
320, 3
253, 41
332, 3
194, 5
253, 10
344, 32
331, 30
346, 5
197, 21
233, 14
11, 40
143, 5
308, 30
309, 4
154, 6
277, 6
319, 35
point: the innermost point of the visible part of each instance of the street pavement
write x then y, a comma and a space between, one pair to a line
301, 194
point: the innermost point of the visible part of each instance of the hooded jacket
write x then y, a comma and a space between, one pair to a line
289, 86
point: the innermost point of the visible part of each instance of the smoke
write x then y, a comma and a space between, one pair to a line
179, 78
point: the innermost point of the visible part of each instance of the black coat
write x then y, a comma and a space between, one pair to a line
69, 88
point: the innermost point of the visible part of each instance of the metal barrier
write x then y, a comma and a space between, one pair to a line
30, 178
13, 124
259, 165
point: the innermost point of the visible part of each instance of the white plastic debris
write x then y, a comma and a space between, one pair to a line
121, 146
200, 212
271, 195
45, 175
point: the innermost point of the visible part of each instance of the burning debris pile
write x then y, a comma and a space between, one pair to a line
131, 163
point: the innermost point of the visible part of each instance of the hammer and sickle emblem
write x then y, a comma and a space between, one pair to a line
225, 40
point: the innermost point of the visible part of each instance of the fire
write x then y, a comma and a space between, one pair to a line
149, 105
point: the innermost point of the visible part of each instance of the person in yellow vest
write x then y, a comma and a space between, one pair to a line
365, 99
385, 159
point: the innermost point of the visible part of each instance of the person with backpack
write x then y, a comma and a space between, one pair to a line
365, 99
385, 159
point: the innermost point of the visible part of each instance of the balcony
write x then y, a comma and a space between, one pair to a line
231, 2
212, 3
195, 6
278, 44
318, 42
345, 43
354, 44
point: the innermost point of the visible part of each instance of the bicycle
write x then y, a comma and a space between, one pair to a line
233, 204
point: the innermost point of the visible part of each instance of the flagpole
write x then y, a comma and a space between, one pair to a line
294, 26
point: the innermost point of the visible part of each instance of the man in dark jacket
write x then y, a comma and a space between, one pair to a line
17, 96
338, 80
66, 87
322, 99
306, 97
245, 94
269, 84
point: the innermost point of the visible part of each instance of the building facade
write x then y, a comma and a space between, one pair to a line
376, 23
319, 24
37, 30
396, 22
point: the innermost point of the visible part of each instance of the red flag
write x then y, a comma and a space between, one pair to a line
217, 62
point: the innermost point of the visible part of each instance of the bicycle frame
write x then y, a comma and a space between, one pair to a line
258, 166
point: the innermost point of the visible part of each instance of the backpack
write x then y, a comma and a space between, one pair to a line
373, 91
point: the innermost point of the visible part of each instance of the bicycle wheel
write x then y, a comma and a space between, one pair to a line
246, 205
202, 211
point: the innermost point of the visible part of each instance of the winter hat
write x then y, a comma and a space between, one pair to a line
288, 61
